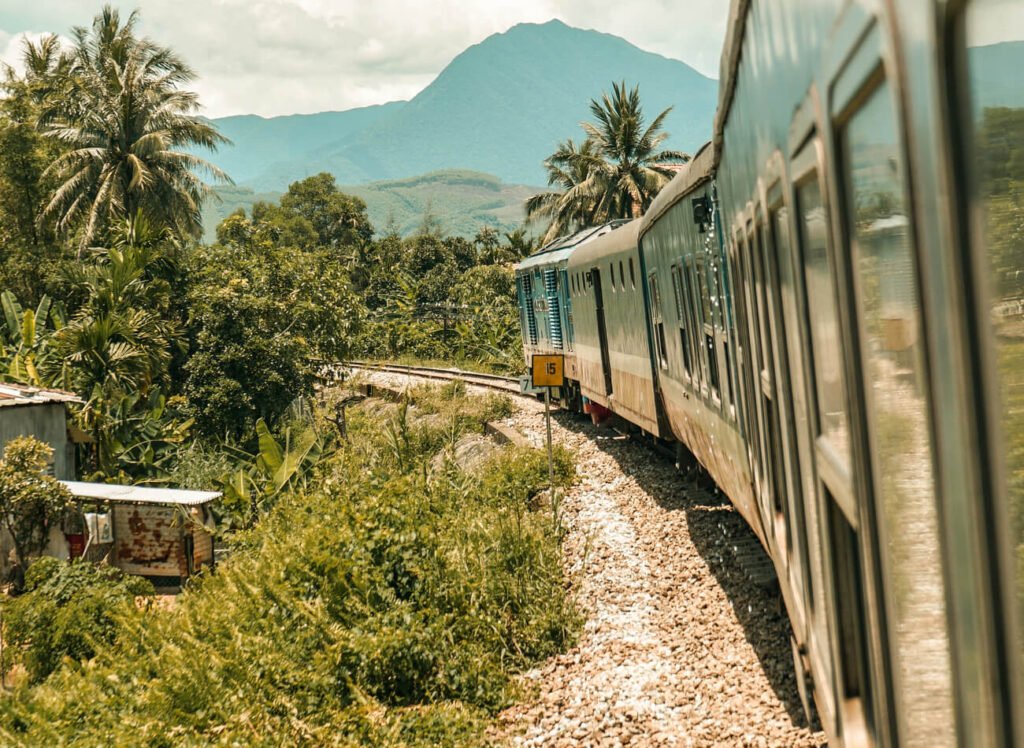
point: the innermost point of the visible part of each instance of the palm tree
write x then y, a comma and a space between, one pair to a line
569, 167
124, 118
615, 173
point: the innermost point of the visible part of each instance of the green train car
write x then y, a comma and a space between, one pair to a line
825, 309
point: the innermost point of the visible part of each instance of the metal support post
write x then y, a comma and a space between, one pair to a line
547, 421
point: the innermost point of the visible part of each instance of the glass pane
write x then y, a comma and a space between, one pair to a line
995, 40
897, 401
833, 422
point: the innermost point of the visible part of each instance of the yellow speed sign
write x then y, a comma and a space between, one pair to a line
547, 370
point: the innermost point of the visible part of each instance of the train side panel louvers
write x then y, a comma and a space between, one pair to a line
531, 315
554, 307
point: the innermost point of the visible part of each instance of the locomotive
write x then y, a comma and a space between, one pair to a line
824, 309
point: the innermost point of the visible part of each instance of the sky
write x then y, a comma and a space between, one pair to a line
273, 57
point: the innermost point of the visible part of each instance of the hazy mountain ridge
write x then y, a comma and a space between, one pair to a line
499, 107
460, 201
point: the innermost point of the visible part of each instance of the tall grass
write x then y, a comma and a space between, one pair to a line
389, 606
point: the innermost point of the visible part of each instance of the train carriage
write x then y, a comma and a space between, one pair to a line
830, 300
691, 321
613, 353
545, 303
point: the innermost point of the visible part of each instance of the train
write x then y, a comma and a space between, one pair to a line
824, 311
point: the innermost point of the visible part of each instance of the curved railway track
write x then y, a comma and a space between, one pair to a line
509, 385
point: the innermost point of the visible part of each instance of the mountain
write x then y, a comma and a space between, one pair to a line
994, 71
500, 107
279, 150
460, 201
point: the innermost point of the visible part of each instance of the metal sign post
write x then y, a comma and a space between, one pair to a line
547, 372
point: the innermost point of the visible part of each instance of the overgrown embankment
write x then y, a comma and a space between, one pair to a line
389, 603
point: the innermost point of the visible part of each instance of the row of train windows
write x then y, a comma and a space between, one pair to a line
883, 280
691, 339
578, 280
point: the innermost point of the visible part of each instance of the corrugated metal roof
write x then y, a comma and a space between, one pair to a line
139, 494
22, 394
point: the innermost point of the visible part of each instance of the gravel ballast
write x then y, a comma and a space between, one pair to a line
679, 647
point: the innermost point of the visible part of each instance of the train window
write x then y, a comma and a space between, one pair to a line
659, 324
896, 401
677, 290
997, 154
688, 299
833, 421
677, 293
705, 292
632, 276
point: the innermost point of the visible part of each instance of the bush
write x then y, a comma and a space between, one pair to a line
68, 610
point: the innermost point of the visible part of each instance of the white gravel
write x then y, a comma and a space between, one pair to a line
679, 648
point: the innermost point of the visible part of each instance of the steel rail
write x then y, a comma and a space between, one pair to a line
497, 382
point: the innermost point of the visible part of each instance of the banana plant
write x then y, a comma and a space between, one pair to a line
26, 337
277, 467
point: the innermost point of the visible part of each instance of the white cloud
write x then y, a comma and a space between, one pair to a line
274, 57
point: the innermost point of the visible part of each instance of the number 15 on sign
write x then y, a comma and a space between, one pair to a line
548, 371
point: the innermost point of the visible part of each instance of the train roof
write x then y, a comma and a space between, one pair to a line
728, 68
696, 172
559, 249
608, 244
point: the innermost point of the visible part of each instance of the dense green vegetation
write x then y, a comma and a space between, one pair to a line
389, 602
376, 590
463, 203
616, 172
106, 293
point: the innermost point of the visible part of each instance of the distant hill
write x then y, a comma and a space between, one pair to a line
461, 201
272, 153
997, 67
500, 108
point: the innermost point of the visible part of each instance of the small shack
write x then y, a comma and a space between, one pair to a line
31, 411
164, 533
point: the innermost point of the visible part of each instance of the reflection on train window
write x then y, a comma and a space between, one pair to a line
688, 310
677, 290
833, 422
659, 324
999, 158
896, 400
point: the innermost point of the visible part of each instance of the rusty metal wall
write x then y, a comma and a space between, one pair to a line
150, 541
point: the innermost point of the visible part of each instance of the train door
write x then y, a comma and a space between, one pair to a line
567, 321
602, 330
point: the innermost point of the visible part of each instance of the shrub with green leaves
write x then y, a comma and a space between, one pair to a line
68, 610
